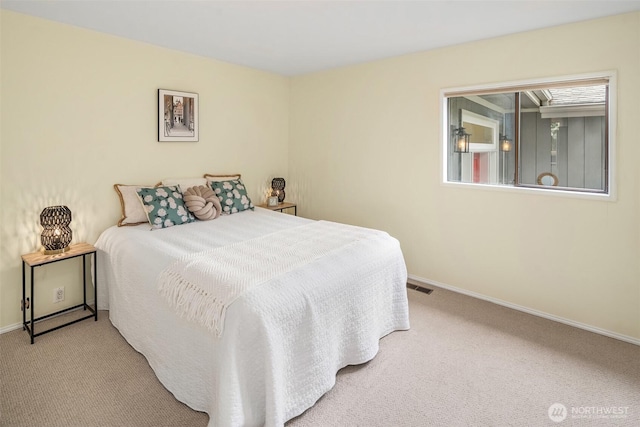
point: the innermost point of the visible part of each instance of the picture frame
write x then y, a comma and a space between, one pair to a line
177, 116
272, 201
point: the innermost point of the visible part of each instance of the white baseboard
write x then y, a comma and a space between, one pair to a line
538, 313
18, 325
10, 328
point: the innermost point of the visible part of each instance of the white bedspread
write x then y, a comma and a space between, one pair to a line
202, 286
283, 341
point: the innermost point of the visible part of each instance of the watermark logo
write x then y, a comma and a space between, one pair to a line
557, 412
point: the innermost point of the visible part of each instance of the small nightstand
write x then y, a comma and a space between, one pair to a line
281, 206
38, 259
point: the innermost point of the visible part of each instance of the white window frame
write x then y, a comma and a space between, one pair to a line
480, 120
610, 75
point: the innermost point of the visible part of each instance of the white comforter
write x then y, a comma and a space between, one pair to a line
282, 342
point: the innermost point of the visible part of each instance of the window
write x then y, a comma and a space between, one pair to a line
551, 134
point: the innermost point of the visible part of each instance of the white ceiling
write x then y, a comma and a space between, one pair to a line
297, 37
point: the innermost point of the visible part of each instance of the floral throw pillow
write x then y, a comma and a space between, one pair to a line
164, 206
232, 195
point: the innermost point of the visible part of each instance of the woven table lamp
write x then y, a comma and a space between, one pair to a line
277, 187
56, 234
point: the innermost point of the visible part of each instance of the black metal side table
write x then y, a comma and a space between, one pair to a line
38, 259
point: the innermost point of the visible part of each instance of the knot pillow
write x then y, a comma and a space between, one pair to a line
202, 202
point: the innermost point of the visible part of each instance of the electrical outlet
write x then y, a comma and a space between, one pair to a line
58, 294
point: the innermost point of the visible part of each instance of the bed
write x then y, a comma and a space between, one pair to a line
281, 341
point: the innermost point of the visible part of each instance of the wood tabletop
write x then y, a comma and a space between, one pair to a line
283, 205
38, 258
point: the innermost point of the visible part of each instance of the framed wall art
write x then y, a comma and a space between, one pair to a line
177, 116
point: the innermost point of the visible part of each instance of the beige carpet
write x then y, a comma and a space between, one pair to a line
464, 362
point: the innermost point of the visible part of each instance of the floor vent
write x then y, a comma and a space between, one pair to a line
419, 288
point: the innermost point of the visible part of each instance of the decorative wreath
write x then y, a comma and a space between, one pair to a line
202, 202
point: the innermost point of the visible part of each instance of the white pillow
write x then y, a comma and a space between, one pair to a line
133, 212
184, 183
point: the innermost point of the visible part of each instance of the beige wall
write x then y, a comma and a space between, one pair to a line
365, 147
79, 113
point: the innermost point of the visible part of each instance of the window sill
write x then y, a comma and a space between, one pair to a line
534, 191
